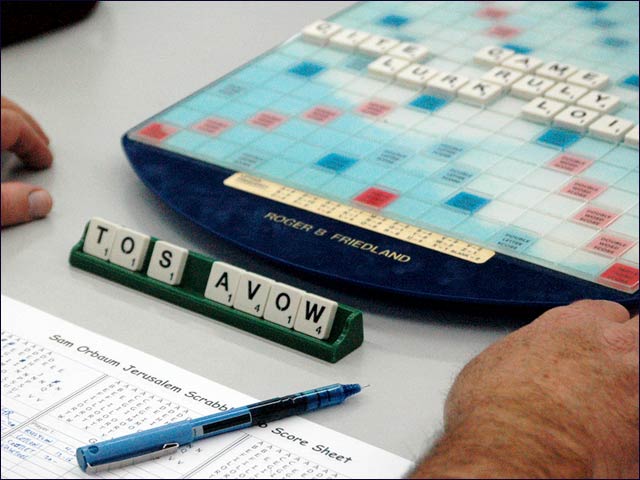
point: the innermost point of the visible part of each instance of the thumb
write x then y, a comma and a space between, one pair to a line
22, 202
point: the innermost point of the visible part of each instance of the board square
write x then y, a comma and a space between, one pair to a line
595, 216
336, 162
622, 274
492, 13
307, 69
267, 120
213, 126
503, 31
570, 163
583, 189
157, 131
375, 197
631, 81
393, 21
467, 202
592, 5
375, 108
321, 114
558, 138
429, 102
609, 245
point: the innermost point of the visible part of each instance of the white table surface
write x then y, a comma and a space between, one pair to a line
88, 84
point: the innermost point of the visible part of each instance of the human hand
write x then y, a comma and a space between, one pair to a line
22, 135
557, 398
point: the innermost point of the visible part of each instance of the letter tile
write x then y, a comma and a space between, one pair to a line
99, 238
282, 304
315, 316
129, 248
223, 283
252, 293
167, 262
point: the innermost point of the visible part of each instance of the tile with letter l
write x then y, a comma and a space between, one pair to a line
315, 316
129, 249
282, 304
223, 283
252, 293
99, 238
167, 262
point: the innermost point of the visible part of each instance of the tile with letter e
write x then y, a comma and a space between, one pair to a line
167, 262
282, 304
223, 283
252, 293
315, 316
99, 238
467, 202
129, 249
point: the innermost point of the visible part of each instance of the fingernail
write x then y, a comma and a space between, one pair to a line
39, 203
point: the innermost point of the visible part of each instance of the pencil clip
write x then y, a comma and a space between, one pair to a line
166, 449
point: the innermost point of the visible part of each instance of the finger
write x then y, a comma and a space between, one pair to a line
633, 323
20, 138
22, 202
6, 103
603, 309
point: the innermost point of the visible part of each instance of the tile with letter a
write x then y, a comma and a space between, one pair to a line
523, 63
610, 128
252, 293
320, 32
129, 249
223, 283
315, 316
282, 304
99, 238
167, 262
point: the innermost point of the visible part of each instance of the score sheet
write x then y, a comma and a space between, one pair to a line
64, 387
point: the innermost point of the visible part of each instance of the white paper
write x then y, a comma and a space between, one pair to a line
64, 387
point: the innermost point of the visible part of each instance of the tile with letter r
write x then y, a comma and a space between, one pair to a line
429, 102
307, 69
375, 197
336, 162
467, 201
558, 138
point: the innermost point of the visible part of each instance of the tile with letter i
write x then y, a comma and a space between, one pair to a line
259, 305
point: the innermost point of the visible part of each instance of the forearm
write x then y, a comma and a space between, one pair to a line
506, 443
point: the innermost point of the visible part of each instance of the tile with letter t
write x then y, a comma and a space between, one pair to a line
167, 262
99, 238
223, 283
252, 293
129, 249
315, 316
282, 304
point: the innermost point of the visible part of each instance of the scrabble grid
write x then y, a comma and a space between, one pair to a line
311, 117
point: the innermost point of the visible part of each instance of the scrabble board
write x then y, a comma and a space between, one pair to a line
484, 152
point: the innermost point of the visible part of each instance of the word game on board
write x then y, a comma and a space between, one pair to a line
456, 150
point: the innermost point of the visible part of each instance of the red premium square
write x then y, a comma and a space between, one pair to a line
503, 31
157, 131
267, 120
375, 108
213, 126
621, 274
493, 13
376, 197
321, 114
570, 163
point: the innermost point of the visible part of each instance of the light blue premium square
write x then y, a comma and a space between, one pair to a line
558, 138
368, 172
307, 69
205, 103
455, 175
442, 218
186, 140
304, 153
336, 162
431, 192
475, 229
278, 168
217, 149
273, 143
429, 103
228, 88
248, 159
467, 201
342, 188
237, 111
253, 75
285, 83
514, 239
326, 138
391, 155
296, 128
241, 134
446, 151
313, 178
181, 116
399, 180
408, 208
